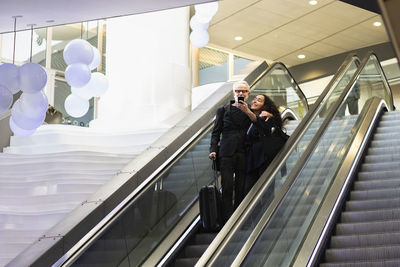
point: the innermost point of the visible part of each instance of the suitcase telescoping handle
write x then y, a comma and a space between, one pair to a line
215, 172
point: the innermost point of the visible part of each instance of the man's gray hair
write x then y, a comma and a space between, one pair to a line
237, 84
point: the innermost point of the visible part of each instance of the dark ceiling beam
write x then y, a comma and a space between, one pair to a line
371, 5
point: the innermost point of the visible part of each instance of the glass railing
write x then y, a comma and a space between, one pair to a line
134, 233
282, 89
145, 223
279, 236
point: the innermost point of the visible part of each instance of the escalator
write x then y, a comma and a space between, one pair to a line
146, 204
295, 228
160, 212
367, 233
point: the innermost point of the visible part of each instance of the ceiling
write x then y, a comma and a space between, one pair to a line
45, 13
280, 30
276, 30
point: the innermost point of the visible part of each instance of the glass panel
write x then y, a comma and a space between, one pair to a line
149, 219
213, 66
280, 87
278, 243
239, 238
23, 47
239, 63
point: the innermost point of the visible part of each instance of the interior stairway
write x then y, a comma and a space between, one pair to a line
45, 176
368, 230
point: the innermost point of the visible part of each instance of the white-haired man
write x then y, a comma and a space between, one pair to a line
229, 131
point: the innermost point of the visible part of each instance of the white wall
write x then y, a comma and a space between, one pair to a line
147, 65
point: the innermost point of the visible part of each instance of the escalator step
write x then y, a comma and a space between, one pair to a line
367, 240
368, 227
362, 254
378, 263
368, 185
204, 238
193, 251
387, 166
185, 262
375, 215
378, 175
375, 194
363, 205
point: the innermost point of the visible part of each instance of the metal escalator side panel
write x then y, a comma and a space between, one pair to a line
372, 78
243, 220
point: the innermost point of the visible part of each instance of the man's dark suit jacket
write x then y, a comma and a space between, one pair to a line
232, 123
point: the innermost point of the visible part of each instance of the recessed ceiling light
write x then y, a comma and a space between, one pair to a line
377, 23
313, 2
238, 38
301, 56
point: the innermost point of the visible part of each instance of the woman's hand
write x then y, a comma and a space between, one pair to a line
266, 114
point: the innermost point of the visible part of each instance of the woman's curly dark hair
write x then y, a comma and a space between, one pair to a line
270, 106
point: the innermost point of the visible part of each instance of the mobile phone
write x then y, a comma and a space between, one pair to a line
240, 98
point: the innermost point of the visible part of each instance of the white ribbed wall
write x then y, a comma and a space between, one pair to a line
44, 176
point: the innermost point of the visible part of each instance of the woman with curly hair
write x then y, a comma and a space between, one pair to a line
266, 123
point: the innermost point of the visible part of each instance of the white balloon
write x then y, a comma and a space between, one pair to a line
32, 77
195, 24
9, 77
82, 92
203, 19
207, 10
98, 84
76, 106
6, 99
34, 104
199, 38
19, 131
26, 121
77, 75
78, 51
96, 59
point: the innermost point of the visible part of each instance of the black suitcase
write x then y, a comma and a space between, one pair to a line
210, 206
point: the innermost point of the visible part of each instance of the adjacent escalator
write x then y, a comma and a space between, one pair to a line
367, 233
292, 230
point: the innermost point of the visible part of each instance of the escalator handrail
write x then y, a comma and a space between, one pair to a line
103, 225
303, 159
250, 200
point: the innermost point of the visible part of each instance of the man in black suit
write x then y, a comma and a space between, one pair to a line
232, 123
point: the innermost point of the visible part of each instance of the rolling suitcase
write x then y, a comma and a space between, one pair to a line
210, 205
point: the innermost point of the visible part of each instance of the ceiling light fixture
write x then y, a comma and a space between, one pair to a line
313, 2
238, 38
377, 23
301, 56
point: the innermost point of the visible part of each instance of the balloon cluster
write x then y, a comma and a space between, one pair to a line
82, 58
200, 22
29, 111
